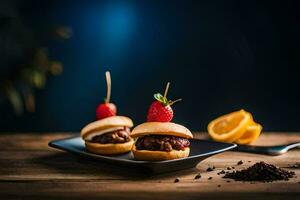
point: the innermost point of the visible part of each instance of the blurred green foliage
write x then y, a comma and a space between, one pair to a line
20, 87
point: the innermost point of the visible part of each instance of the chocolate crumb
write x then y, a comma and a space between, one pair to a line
209, 169
221, 172
296, 166
232, 167
260, 171
240, 162
219, 185
209, 178
176, 180
228, 168
228, 181
197, 176
249, 160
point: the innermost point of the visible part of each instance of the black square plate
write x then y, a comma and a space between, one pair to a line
200, 150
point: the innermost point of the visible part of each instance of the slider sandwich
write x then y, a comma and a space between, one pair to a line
110, 135
158, 141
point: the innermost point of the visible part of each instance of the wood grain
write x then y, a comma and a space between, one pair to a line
29, 169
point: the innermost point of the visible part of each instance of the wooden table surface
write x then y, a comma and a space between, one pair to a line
29, 169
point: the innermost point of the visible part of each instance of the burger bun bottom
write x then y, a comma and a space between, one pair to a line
159, 155
109, 149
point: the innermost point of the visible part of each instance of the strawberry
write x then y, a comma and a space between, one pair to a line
105, 110
160, 110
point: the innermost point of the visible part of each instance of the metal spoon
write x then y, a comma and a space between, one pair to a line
269, 150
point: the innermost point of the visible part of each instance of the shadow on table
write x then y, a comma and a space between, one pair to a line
72, 165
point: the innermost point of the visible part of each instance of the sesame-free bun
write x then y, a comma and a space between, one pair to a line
159, 155
161, 128
105, 125
106, 149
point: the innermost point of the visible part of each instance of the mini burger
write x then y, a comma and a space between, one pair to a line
110, 135
159, 138
158, 141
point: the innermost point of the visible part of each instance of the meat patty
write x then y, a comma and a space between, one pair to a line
161, 143
119, 136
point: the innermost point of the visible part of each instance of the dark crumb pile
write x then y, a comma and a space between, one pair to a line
260, 172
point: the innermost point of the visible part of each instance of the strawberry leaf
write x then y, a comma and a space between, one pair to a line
161, 99
158, 97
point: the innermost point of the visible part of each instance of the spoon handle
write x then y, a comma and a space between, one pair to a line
269, 150
294, 145
251, 149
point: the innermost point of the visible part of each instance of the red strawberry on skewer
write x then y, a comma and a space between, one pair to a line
160, 110
106, 109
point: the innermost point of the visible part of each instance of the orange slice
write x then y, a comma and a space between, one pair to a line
251, 134
230, 127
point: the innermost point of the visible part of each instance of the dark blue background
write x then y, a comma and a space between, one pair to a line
219, 56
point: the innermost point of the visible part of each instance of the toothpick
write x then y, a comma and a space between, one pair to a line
108, 84
166, 90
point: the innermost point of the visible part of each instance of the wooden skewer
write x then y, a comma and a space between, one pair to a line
108, 84
166, 90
